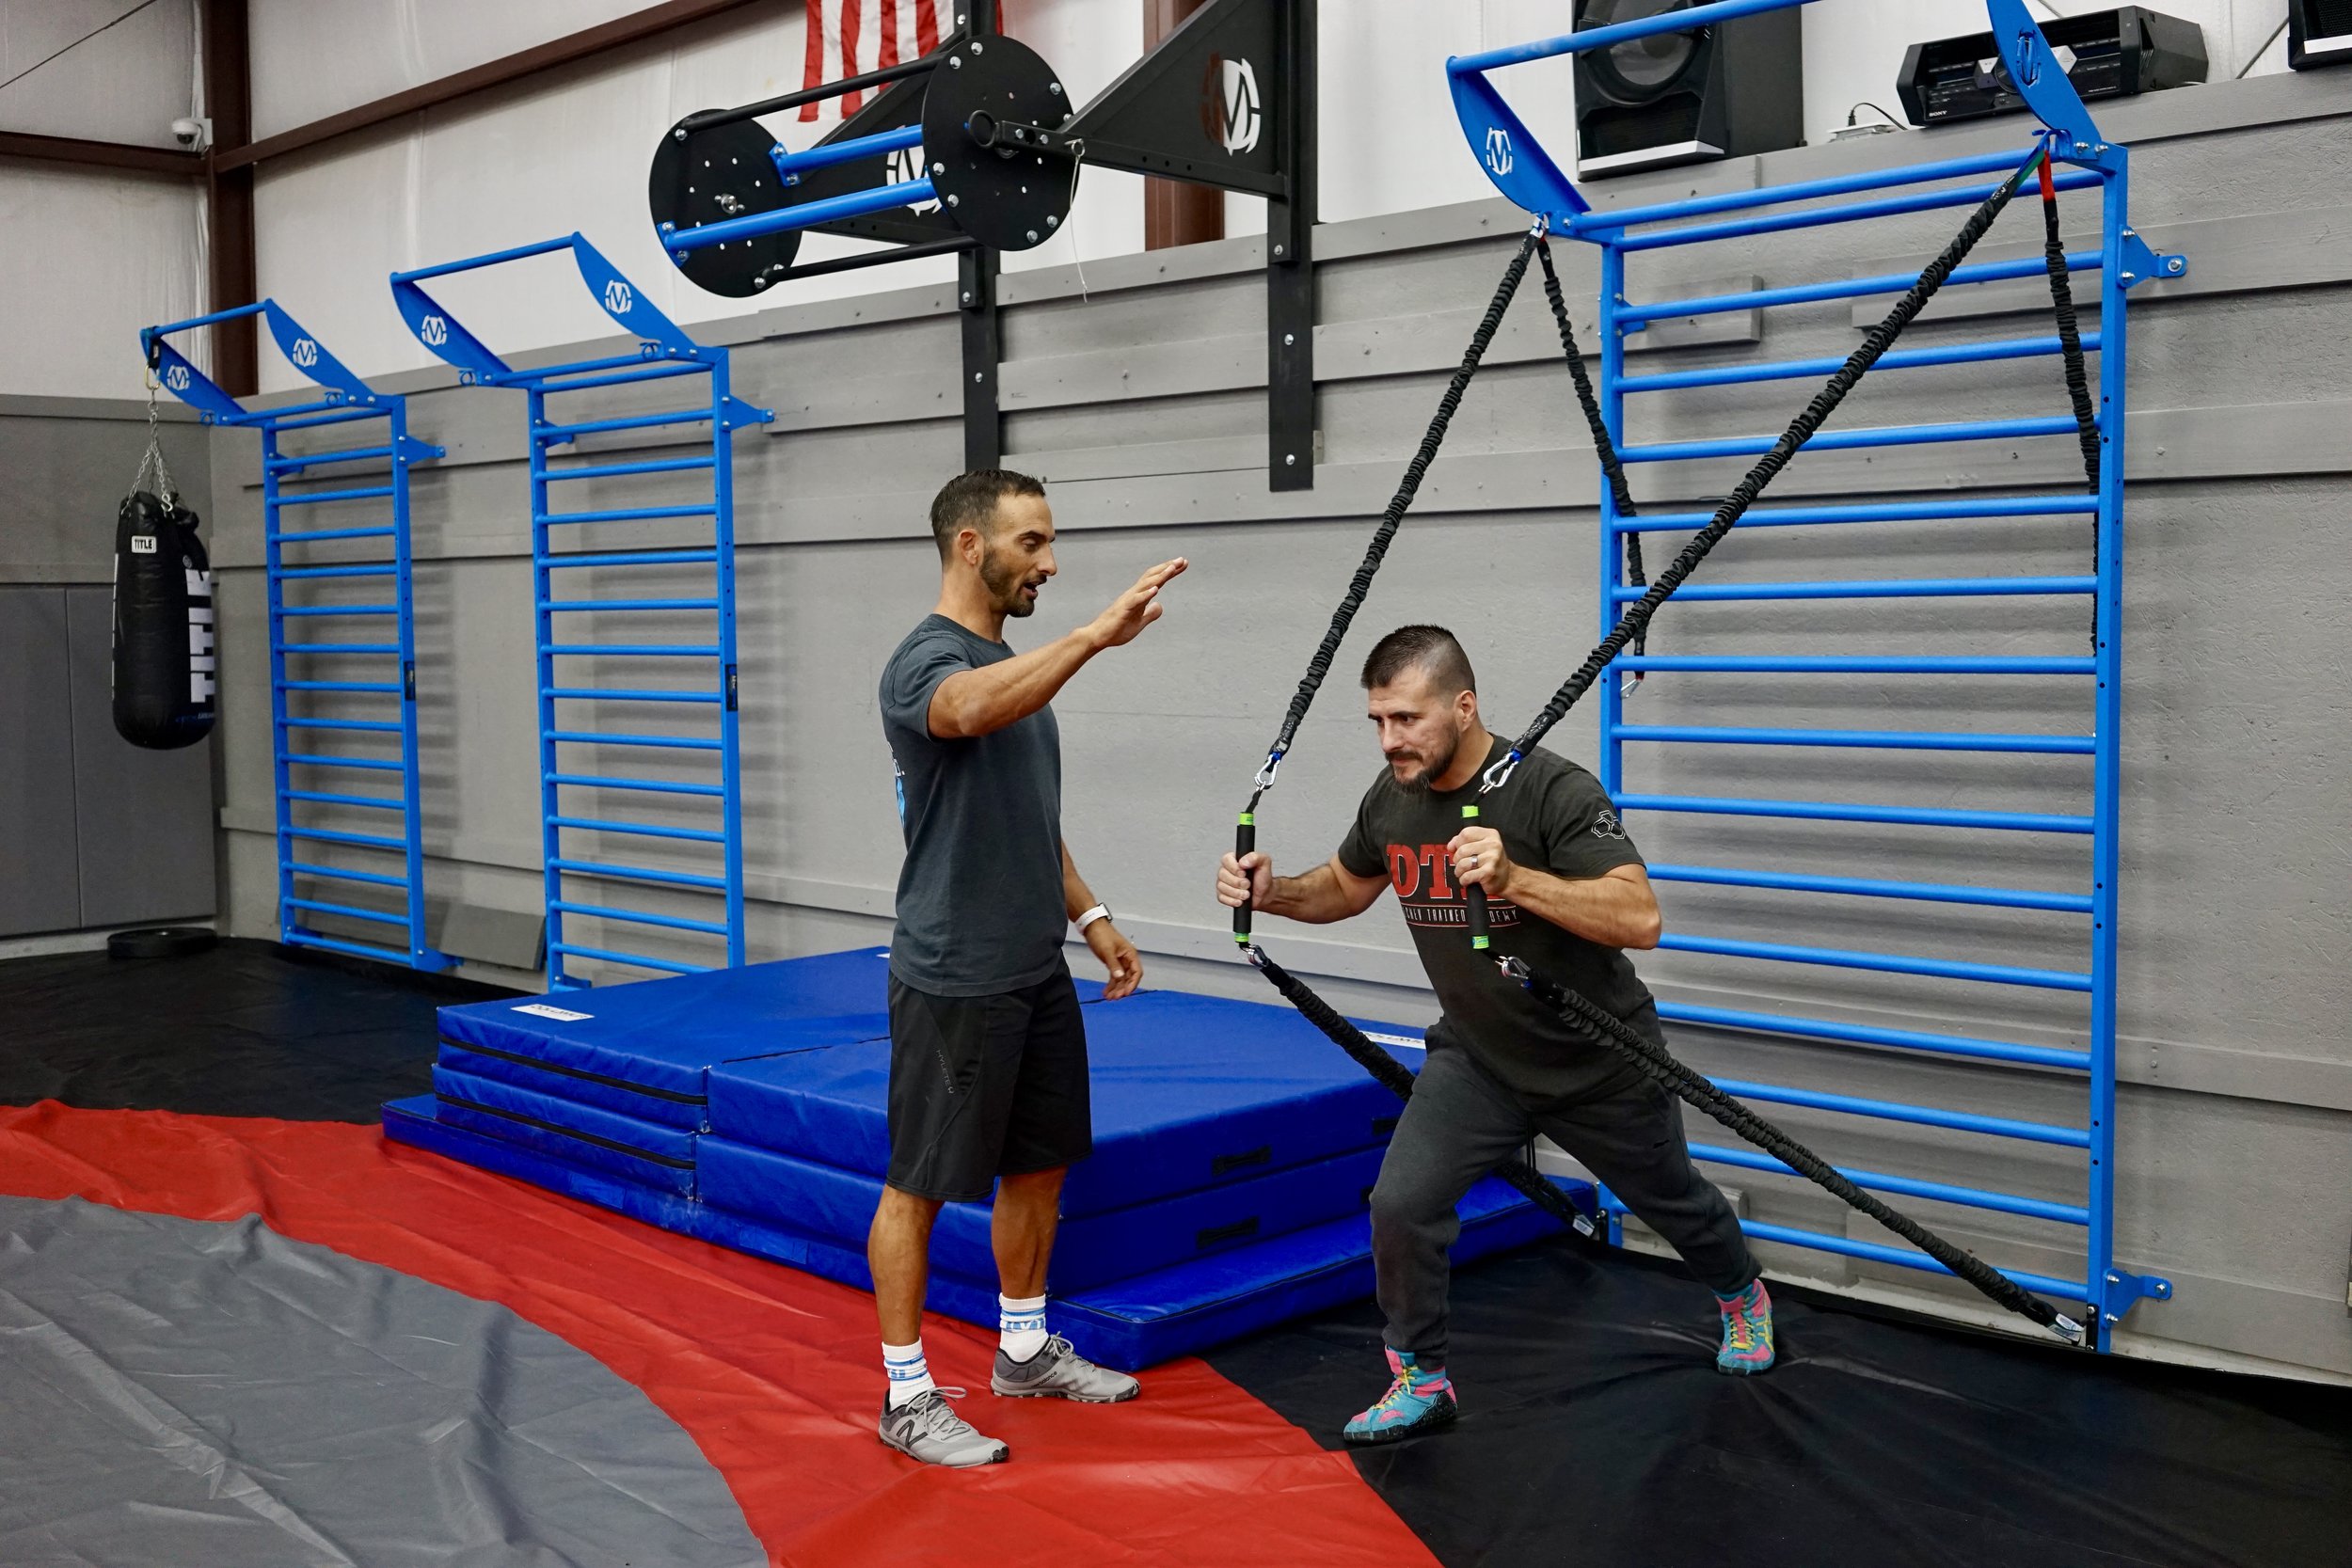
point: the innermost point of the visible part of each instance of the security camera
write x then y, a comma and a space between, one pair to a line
194, 135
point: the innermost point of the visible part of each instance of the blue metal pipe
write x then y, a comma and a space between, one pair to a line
313, 536
791, 166
1846, 287
650, 786
493, 259
663, 370
1883, 740
347, 416
664, 742
1881, 963
1873, 588
640, 918
314, 497
377, 648
1789, 1235
638, 959
1819, 217
641, 830
562, 605
641, 874
297, 937
1837, 440
371, 802
1897, 360
340, 874
552, 434
319, 459
378, 687
1866, 1034
807, 214
637, 650
1604, 38
612, 694
375, 569
1906, 1186
1895, 1110
369, 765
1890, 511
630, 513
353, 912
1831, 811
342, 609
1805, 665
637, 557
620, 471
1805, 190
357, 841
1930, 893
364, 726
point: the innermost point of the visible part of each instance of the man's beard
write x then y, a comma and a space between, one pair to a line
1421, 782
1004, 582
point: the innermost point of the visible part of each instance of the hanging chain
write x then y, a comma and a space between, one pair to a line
152, 462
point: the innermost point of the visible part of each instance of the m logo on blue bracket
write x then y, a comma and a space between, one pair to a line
306, 354
617, 298
436, 330
177, 378
1498, 157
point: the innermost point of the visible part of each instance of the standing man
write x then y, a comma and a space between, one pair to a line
1566, 891
988, 1057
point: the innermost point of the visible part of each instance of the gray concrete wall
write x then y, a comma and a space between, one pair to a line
1140, 400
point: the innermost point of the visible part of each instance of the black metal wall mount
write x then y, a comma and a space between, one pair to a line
972, 150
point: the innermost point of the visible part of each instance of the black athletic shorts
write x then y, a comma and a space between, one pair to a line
983, 1086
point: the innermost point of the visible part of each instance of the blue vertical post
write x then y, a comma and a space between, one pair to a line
1611, 562
281, 774
730, 754
543, 639
2106, 757
405, 616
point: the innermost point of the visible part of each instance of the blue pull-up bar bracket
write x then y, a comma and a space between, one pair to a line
2144, 263
2119, 1287
734, 414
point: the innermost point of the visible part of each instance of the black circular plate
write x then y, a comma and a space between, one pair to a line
162, 941
1012, 201
713, 175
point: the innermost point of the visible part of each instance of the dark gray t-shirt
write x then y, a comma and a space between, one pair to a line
1553, 815
981, 896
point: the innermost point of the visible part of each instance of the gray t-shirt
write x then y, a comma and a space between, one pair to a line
981, 894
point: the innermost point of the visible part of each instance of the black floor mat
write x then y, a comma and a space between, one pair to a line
247, 1029
1596, 1430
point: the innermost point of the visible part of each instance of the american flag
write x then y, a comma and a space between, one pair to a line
847, 37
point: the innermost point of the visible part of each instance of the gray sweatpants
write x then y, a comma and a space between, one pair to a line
1461, 1123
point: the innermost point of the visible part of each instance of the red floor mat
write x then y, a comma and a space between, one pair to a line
772, 1373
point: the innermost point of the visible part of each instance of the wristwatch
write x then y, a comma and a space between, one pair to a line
1087, 917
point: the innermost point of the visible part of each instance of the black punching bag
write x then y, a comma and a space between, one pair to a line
164, 660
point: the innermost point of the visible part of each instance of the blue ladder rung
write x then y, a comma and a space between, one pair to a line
1837, 440
1890, 740
1784, 664
335, 647
317, 459
377, 687
1817, 217
373, 802
313, 498
626, 514
1810, 369
1845, 288
1907, 1186
369, 765
665, 371
352, 911
622, 471
358, 726
639, 917
642, 830
1870, 588
642, 874
1832, 811
1923, 1115
311, 536
666, 742
639, 959
592, 693
635, 558
649, 786
340, 874
1932, 892
554, 435
1879, 1252
340, 610
2079, 504
563, 605
370, 569
635, 650
357, 949
1881, 963
346, 416
357, 841
1868, 1034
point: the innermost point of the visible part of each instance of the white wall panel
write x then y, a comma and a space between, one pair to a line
88, 257
127, 84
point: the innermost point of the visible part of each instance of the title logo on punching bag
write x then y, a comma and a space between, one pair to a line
202, 662
1230, 110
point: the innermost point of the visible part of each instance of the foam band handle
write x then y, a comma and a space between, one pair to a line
1244, 842
1477, 898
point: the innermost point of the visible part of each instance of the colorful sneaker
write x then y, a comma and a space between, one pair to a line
1061, 1374
1747, 1332
927, 1428
1416, 1402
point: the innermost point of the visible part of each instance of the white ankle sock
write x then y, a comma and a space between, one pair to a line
910, 1371
1021, 1325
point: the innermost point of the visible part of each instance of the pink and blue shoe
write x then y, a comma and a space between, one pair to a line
1417, 1401
1747, 1347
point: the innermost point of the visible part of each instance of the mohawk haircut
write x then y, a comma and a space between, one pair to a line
969, 500
1432, 650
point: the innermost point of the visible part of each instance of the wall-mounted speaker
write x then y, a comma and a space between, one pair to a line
2319, 32
2110, 54
1722, 91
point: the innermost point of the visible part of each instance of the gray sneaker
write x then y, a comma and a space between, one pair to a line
1060, 1373
927, 1428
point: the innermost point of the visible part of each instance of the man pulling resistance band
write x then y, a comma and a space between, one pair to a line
987, 1058
1567, 892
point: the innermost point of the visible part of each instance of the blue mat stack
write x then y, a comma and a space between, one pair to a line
1234, 1146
